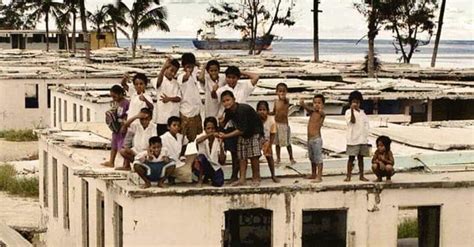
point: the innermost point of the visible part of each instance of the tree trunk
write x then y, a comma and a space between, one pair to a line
46, 21
134, 43
84, 30
115, 35
438, 34
316, 30
73, 38
371, 40
67, 41
370, 60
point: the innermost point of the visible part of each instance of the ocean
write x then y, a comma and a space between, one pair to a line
451, 53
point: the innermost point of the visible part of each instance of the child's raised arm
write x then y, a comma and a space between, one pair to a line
162, 72
252, 76
305, 106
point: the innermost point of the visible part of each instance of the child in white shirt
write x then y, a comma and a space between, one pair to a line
169, 95
357, 135
212, 80
138, 134
153, 165
190, 107
210, 155
176, 143
139, 98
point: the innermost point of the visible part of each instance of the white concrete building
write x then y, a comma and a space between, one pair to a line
84, 204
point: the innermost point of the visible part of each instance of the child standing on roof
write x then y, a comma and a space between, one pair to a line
269, 130
315, 142
190, 107
115, 118
153, 165
283, 134
212, 80
207, 165
139, 98
169, 95
383, 162
357, 135
249, 133
241, 90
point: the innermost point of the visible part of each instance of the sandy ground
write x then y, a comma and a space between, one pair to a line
17, 150
22, 212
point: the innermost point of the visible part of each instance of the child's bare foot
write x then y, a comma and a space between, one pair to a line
362, 178
146, 185
162, 185
312, 176
347, 179
378, 180
232, 180
238, 183
277, 161
317, 180
275, 179
123, 168
107, 164
255, 182
292, 161
389, 181
199, 185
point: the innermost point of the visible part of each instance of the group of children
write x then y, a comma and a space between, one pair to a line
153, 137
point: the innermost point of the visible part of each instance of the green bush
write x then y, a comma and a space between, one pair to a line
408, 228
22, 186
25, 135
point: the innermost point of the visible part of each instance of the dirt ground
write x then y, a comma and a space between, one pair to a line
17, 150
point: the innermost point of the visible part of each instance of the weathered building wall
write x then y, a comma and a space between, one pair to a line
13, 111
196, 217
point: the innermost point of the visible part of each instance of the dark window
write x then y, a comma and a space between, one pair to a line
55, 187
100, 219
45, 179
418, 226
118, 225
85, 213
324, 228
31, 96
4, 39
249, 227
65, 197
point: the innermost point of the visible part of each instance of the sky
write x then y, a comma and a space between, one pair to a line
339, 20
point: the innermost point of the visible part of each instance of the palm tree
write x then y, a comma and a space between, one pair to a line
116, 19
144, 15
82, 8
63, 21
71, 7
98, 20
44, 8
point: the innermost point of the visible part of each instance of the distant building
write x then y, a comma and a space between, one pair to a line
36, 40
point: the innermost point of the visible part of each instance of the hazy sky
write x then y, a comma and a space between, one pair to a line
338, 20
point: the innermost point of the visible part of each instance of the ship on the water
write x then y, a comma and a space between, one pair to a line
206, 40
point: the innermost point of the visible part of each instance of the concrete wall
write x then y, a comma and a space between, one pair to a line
14, 115
198, 219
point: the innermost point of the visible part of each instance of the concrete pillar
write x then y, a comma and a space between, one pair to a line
376, 106
429, 112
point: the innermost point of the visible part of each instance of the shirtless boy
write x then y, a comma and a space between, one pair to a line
315, 142
283, 135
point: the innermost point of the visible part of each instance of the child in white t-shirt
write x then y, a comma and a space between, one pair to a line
207, 165
169, 95
357, 135
212, 80
139, 98
138, 134
153, 165
176, 144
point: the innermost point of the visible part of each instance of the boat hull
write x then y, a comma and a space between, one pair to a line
261, 44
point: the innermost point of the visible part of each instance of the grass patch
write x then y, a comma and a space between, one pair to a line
22, 186
25, 135
408, 228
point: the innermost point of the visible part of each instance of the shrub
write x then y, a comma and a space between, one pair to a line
22, 186
25, 135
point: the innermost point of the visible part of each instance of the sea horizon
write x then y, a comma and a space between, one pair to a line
451, 53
